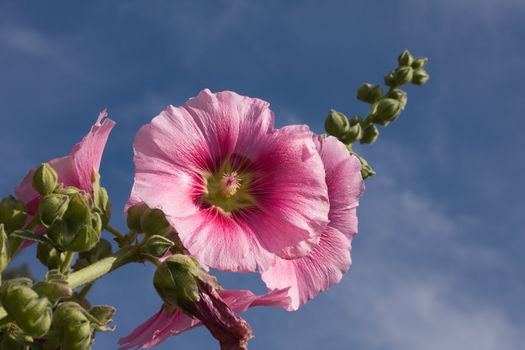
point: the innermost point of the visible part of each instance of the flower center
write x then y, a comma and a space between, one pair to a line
228, 190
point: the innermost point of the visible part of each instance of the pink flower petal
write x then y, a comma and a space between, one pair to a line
165, 323
330, 259
223, 242
345, 184
75, 169
308, 276
183, 145
293, 193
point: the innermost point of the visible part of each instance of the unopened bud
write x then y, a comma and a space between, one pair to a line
78, 230
45, 179
389, 79
420, 76
55, 287
403, 75
400, 95
419, 62
103, 314
49, 256
156, 246
103, 205
405, 59
133, 216
387, 110
369, 93
366, 169
12, 214
153, 222
354, 132
176, 280
52, 208
370, 134
336, 124
71, 327
31, 312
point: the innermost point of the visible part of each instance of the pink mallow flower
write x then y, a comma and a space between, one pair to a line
76, 169
238, 192
324, 267
171, 322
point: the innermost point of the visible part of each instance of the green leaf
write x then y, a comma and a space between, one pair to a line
31, 236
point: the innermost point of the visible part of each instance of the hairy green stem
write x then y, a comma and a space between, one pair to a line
114, 231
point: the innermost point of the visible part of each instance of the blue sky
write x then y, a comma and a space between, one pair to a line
438, 263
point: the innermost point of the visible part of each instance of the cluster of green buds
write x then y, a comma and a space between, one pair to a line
73, 219
46, 316
159, 236
384, 107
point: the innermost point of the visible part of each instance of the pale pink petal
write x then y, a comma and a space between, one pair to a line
75, 169
87, 154
345, 184
308, 276
165, 323
223, 242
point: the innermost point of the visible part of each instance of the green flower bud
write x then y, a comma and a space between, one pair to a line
100, 251
101, 202
52, 208
153, 222
366, 169
403, 75
400, 95
103, 314
45, 179
31, 312
156, 246
420, 76
370, 134
4, 255
85, 239
405, 59
419, 62
336, 124
389, 79
70, 190
354, 132
55, 287
78, 230
369, 93
72, 327
134, 214
176, 280
12, 214
387, 110
49, 256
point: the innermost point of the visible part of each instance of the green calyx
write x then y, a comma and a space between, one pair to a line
12, 213
228, 190
31, 312
79, 229
177, 280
